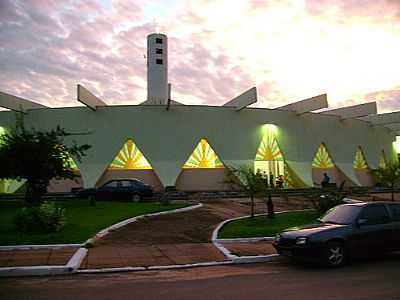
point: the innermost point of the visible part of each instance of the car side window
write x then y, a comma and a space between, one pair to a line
126, 183
395, 209
375, 214
111, 184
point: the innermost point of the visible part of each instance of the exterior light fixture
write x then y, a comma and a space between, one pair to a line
270, 129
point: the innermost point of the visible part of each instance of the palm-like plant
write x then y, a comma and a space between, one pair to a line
253, 183
388, 175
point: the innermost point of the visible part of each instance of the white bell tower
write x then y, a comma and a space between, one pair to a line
157, 69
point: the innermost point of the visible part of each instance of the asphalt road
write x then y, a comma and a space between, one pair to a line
378, 279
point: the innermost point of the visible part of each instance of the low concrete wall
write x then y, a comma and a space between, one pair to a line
64, 185
335, 174
202, 180
365, 177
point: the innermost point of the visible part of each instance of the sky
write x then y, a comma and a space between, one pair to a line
289, 49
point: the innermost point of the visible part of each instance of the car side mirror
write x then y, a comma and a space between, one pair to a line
361, 222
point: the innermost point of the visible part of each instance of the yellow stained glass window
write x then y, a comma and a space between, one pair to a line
322, 159
269, 149
359, 161
130, 158
382, 160
203, 157
72, 164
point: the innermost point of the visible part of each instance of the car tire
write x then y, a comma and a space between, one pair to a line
335, 254
136, 198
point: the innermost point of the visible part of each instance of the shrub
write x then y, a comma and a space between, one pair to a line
327, 201
46, 218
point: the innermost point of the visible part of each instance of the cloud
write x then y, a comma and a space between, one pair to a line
289, 49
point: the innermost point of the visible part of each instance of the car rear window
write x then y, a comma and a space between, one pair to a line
342, 214
395, 209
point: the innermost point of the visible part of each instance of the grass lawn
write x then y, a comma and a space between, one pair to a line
83, 221
263, 226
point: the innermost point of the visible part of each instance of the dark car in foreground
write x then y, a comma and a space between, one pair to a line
346, 231
119, 189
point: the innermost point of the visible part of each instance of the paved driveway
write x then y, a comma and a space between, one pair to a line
376, 280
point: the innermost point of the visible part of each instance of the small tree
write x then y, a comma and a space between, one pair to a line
253, 183
37, 157
388, 175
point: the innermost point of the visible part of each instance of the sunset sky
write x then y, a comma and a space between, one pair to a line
289, 49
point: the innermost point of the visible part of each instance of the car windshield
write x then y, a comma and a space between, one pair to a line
342, 214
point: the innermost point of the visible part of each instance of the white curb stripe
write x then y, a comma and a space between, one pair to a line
75, 262
218, 242
156, 268
38, 247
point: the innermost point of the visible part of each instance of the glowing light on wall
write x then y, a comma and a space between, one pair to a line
360, 162
203, 157
130, 158
2, 130
270, 129
322, 159
396, 144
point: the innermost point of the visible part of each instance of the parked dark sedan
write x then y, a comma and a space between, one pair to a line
121, 189
345, 231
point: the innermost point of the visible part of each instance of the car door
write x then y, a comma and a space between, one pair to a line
126, 189
108, 190
372, 232
395, 233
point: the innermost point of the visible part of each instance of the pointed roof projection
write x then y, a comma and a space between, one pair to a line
203, 157
86, 97
359, 161
354, 111
269, 149
17, 103
322, 159
130, 158
307, 105
243, 100
382, 160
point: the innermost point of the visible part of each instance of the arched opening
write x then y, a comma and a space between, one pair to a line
131, 163
361, 168
202, 171
324, 164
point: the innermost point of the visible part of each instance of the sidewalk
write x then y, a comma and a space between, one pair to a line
24, 258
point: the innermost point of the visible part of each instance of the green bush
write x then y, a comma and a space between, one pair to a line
48, 217
327, 201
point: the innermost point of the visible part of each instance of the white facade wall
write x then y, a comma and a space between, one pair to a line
167, 138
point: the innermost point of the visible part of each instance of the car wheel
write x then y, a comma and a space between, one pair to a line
136, 198
335, 254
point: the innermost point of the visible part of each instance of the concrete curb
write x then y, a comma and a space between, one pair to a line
75, 261
155, 268
244, 259
71, 267
246, 240
38, 247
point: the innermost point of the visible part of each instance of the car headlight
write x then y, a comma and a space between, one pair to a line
277, 238
301, 241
